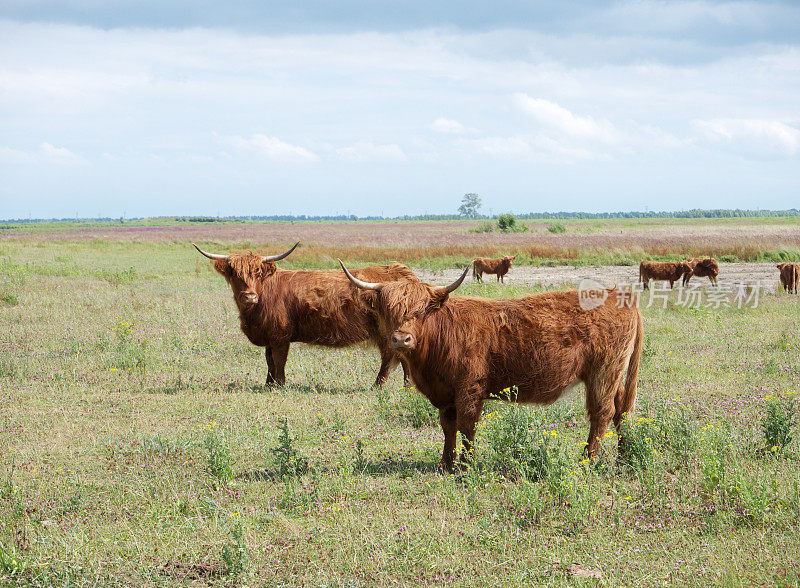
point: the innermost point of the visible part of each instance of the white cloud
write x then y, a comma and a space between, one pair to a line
46, 154
535, 148
448, 126
755, 138
270, 148
502, 147
367, 151
557, 118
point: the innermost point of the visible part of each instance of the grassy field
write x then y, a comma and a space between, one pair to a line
139, 447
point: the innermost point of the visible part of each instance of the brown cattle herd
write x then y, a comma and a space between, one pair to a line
459, 351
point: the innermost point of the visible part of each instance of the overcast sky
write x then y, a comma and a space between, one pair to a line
149, 108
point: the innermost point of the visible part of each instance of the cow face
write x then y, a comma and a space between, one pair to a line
402, 307
245, 273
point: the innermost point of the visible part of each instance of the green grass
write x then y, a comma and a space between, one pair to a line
138, 446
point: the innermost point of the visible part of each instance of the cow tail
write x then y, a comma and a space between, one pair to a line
640, 273
796, 271
629, 395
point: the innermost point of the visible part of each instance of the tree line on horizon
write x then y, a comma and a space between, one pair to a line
693, 213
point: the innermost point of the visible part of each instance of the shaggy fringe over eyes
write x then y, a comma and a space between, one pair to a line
247, 266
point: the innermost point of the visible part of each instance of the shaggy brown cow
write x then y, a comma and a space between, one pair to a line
486, 265
688, 267
461, 350
278, 307
790, 275
702, 268
660, 270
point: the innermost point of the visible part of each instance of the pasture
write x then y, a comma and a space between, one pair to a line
138, 445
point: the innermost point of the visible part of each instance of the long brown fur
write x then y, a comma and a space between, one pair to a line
667, 271
316, 307
790, 275
486, 265
462, 350
702, 268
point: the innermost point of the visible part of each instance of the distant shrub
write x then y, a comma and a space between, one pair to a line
486, 227
557, 228
507, 223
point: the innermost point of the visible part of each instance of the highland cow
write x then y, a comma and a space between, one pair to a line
667, 271
486, 265
278, 307
460, 351
789, 276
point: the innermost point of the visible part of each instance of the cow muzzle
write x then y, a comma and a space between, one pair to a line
248, 298
403, 341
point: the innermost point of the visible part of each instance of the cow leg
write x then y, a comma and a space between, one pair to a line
280, 351
388, 363
447, 418
601, 409
406, 377
270, 367
468, 409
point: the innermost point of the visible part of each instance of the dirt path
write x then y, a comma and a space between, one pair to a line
730, 274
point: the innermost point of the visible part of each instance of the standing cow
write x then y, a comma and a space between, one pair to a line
486, 265
667, 271
789, 276
702, 268
462, 350
278, 307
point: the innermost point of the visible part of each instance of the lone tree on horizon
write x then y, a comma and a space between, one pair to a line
470, 204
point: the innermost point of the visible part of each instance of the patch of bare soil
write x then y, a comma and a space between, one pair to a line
730, 275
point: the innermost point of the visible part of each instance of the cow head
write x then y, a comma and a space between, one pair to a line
403, 306
245, 272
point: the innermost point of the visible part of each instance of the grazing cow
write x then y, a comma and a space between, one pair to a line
688, 267
462, 350
486, 265
278, 307
702, 268
660, 270
790, 275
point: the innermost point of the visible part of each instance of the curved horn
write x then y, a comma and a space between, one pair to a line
279, 257
360, 283
454, 285
210, 255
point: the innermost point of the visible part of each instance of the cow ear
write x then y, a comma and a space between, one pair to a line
438, 299
222, 266
370, 297
267, 269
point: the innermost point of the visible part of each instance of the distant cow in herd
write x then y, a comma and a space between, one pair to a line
461, 350
278, 307
702, 268
790, 275
667, 271
486, 265
671, 271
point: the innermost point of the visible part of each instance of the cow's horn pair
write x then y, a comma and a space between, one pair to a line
378, 285
263, 259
